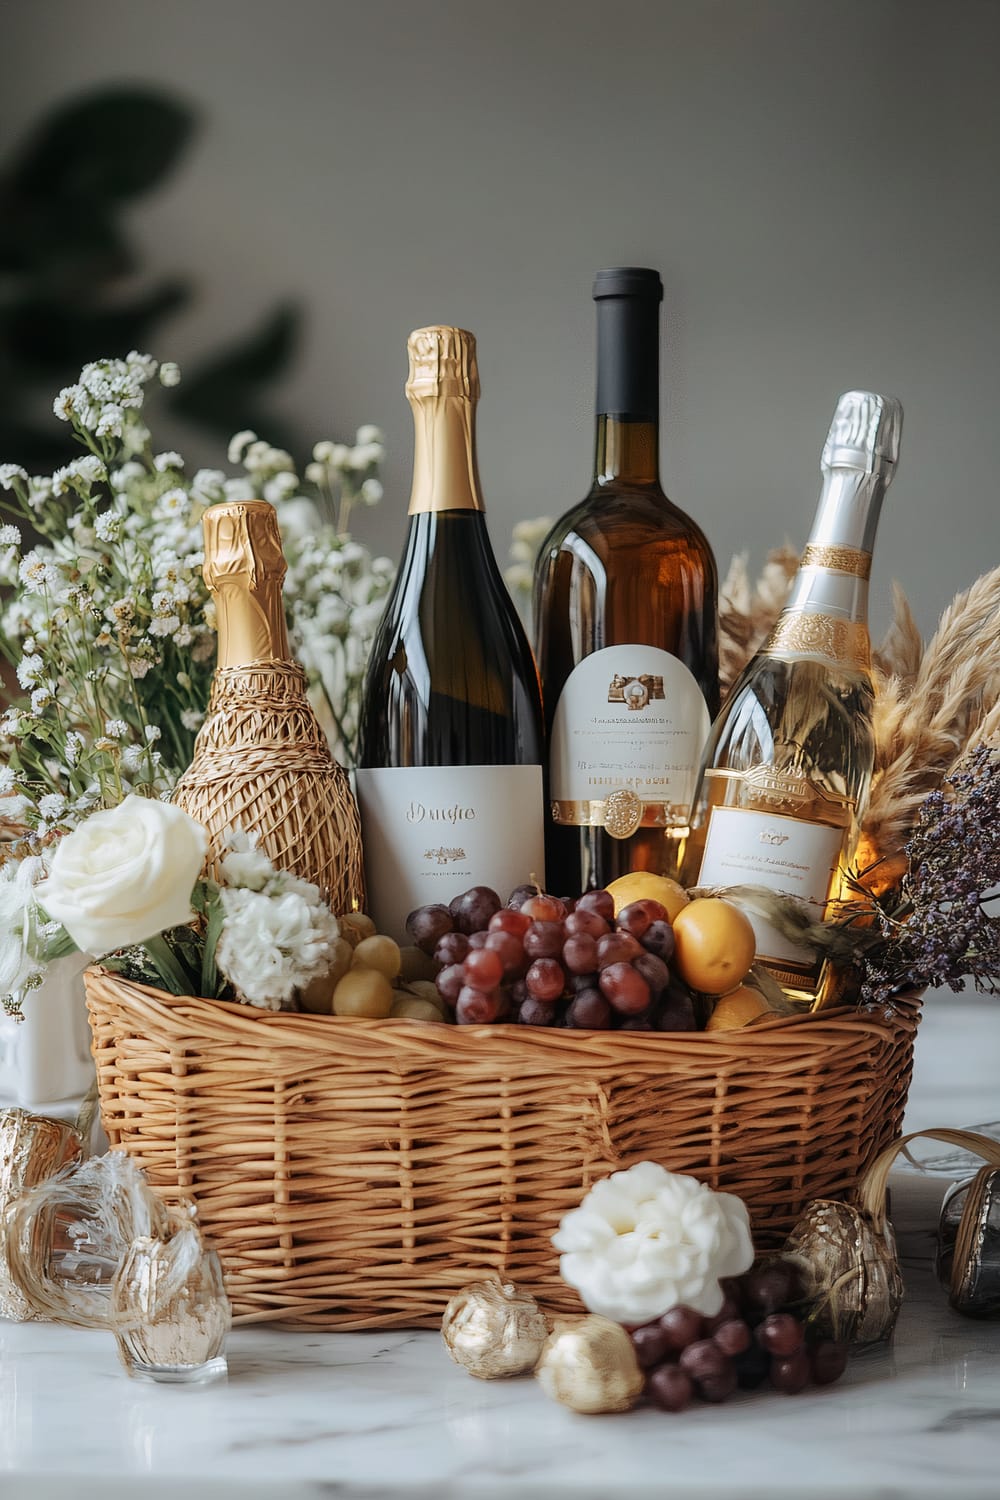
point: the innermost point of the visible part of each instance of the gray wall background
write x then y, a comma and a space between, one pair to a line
815, 179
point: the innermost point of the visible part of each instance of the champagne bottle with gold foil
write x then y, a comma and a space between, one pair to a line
450, 778
261, 761
789, 759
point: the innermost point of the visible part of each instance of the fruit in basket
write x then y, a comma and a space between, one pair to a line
642, 885
737, 1009
416, 965
363, 992
413, 1007
714, 945
355, 926
317, 997
377, 952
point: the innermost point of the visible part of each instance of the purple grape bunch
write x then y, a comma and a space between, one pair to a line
542, 960
758, 1336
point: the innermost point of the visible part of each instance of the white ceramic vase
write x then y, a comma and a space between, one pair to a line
46, 1057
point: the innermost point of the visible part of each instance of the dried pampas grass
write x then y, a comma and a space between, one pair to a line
748, 611
927, 719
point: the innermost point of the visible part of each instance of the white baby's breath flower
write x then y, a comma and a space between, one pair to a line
281, 486
127, 474
183, 636
365, 455
10, 536
108, 526
141, 365
168, 460
239, 443
192, 719
152, 733
41, 698
207, 485
89, 468
164, 625
7, 780
74, 747
70, 399
139, 666
174, 503
52, 806
110, 421
316, 473
116, 729
646, 1240
371, 491
170, 373
8, 474
30, 669
133, 757
323, 451
370, 434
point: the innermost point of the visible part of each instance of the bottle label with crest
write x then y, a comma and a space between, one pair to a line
630, 724
431, 832
791, 856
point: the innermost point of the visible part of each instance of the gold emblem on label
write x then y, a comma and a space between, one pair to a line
622, 813
635, 692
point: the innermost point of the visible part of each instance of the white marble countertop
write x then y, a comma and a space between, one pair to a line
372, 1416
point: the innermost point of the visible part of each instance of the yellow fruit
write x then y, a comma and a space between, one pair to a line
413, 1008
317, 997
425, 990
379, 953
643, 886
735, 1009
414, 963
355, 926
363, 992
714, 945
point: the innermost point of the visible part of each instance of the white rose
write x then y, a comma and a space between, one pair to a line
125, 875
646, 1240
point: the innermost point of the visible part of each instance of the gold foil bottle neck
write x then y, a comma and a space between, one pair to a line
244, 568
442, 363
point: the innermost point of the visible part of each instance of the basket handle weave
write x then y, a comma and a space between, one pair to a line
875, 1181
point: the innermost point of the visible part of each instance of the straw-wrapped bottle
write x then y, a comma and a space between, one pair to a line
261, 761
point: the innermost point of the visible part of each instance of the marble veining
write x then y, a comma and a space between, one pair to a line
387, 1416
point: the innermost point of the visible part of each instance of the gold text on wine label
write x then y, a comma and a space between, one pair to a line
418, 813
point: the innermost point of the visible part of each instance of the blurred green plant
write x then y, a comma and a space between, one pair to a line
71, 281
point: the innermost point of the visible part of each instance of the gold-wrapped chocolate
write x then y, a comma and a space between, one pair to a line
493, 1329
590, 1366
850, 1271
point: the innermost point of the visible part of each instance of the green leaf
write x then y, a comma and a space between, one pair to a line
107, 146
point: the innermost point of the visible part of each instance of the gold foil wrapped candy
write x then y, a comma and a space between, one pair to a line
590, 1366
494, 1330
32, 1149
850, 1271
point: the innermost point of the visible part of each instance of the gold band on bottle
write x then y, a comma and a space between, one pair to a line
442, 389
619, 814
803, 633
838, 559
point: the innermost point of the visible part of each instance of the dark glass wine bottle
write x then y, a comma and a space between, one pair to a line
626, 626
450, 778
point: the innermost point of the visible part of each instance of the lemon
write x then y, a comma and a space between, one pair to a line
735, 1009
714, 945
641, 885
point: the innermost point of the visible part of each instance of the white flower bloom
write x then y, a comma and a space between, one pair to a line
52, 805
174, 503
164, 625
316, 473
152, 733
70, 399
37, 574
366, 454
89, 468
10, 536
207, 485
192, 719
108, 526
170, 373
169, 460
370, 434
273, 945
184, 636
371, 491
116, 729
323, 452
247, 869
139, 666
121, 478
74, 747
61, 479
142, 365
110, 421
7, 780
40, 699
30, 669
133, 757
281, 486
298, 519
339, 456
10, 472
646, 1240
125, 875
239, 443
239, 489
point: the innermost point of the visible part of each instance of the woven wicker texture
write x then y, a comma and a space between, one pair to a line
262, 761
354, 1174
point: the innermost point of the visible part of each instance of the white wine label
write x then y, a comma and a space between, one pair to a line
629, 718
431, 832
787, 855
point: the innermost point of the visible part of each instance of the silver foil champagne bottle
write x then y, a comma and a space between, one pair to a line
789, 759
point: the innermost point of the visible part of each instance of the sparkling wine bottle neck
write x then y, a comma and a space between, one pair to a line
443, 389
244, 569
836, 564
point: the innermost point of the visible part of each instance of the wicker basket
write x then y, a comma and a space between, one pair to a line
354, 1174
